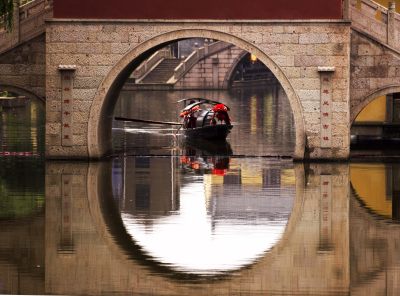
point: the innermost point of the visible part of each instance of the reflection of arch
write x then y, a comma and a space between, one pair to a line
370, 97
99, 126
109, 225
373, 195
373, 249
22, 92
365, 206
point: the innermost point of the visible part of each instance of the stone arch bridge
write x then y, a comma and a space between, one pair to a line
330, 62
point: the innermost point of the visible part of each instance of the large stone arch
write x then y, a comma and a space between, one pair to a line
355, 110
99, 126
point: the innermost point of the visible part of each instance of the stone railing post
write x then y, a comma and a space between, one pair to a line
15, 30
391, 26
206, 48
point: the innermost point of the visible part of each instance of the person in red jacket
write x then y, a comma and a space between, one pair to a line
221, 113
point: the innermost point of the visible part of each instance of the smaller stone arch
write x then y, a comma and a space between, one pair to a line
22, 92
229, 73
355, 110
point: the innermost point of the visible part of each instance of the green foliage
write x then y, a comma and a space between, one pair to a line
6, 14
4, 93
20, 205
21, 187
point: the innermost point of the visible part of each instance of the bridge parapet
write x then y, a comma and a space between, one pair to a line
376, 20
28, 23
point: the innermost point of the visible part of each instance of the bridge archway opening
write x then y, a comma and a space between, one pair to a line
101, 113
376, 121
22, 122
19, 91
247, 69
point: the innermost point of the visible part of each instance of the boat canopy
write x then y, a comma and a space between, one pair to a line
199, 101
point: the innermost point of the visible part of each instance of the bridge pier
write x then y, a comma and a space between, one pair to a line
105, 53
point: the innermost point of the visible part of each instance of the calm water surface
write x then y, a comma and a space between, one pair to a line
161, 218
262, 119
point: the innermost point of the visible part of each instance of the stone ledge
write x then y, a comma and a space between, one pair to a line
197, 21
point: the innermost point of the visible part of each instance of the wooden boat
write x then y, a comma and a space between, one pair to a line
205, 119
201, 119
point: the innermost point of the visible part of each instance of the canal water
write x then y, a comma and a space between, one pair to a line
164, 217
262, 119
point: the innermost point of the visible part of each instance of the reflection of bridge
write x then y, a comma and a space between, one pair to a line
330, 69
314, 247
329, 246
22, 256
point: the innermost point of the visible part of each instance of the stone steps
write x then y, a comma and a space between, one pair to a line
162, 72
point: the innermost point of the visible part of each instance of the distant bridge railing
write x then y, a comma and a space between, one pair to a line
196, 56
376, 20
28, 23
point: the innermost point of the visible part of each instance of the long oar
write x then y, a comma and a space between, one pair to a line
147, 121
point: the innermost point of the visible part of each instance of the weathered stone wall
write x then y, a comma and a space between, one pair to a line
212, 72
375, 70
104, 53
22, 69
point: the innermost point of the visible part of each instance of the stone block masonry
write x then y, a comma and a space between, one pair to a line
22, 69
101, 67
374, 71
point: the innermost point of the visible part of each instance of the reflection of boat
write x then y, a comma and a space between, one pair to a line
203, 156
205, 119
205, 147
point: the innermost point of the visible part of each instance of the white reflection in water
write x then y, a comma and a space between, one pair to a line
147, 130
196, 240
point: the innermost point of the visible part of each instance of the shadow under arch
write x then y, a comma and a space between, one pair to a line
100, 117
22, 92
109, 225
356, 110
